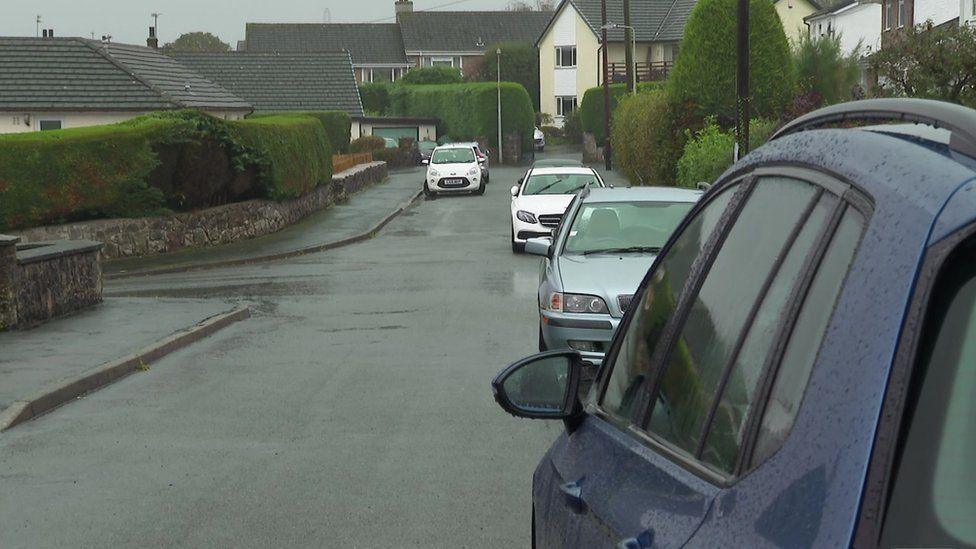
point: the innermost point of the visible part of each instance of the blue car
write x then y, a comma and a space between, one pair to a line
798, 366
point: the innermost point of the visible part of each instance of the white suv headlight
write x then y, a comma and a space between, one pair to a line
525, 216
473, 171
432, 172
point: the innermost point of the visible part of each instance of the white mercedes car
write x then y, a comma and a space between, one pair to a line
541, 197
453, 169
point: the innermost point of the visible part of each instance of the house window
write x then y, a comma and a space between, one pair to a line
44, 125
565, 105
901, 13
380, 75
889, 9
16, 121
441, 61
565, 56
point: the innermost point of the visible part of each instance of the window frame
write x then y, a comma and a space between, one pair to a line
560, 110
42, 121
885, 449
848, 196
559, 57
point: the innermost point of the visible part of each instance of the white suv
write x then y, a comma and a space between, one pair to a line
453, 169
541, 197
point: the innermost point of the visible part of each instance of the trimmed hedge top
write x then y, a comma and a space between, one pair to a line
468, 111
591, 108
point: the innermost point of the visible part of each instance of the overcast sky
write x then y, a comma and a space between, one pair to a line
128, 20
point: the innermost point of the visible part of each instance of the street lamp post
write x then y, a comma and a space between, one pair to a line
742, 79
498, 85
606, 87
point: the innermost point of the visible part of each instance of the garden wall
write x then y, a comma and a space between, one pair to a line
131, 237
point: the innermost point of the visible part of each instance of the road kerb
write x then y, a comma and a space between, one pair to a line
330, 245
49, 398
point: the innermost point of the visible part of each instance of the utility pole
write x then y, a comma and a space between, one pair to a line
606, 87
498, 84
742, 79
629, 53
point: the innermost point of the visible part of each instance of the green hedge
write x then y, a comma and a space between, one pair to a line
337, 126
375, 97
591, 108
646, 137
295, 154
468, 111
709, 153
174, 160
433, 75
367, 143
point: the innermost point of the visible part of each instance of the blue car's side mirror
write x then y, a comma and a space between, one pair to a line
539, 245
542, 386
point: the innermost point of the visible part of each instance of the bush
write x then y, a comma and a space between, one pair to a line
433, 75
367, 143
293, 153
704, 73
337, 126
375, 97
709, 153
645, 139
520, 64
573, 127
467, 111
591, 107
823, 71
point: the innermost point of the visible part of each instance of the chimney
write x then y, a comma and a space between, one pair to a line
152, 41
50, 33
402, 7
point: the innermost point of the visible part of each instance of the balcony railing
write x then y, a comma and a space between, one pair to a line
646, 72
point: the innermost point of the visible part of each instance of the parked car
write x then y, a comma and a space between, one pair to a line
482, 158
539, 139
541, 197
453, 169
556, 163
797, 368
593, 264
425, 148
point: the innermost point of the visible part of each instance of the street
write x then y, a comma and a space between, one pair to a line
352, 410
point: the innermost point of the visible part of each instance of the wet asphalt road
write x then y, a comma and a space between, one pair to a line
352, 410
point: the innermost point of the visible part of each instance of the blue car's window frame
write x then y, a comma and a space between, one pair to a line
878, 480
848, 195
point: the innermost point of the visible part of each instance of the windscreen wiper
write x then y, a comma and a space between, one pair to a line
547, 186
628, 250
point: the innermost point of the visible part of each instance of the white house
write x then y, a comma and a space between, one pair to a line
858, 25
54, 83
570, 51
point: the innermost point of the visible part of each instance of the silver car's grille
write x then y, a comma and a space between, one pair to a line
550, 220
624, 301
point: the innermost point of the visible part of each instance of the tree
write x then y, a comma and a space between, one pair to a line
196, 42
520, 63
824, 71
704, 74
930, 62
433, 75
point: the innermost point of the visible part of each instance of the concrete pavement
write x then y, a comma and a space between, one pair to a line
352, 410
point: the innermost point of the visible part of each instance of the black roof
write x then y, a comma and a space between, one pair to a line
80, 74
283, 82
653, 20
368, 43
469, 31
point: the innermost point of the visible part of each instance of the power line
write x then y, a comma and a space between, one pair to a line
447, 5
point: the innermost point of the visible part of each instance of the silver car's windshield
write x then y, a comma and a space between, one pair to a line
452, 156
559, 183
624, 227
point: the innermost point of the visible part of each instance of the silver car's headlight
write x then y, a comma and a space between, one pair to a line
473, 171
525, 216
577, 303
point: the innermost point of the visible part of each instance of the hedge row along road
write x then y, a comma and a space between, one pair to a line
167, 161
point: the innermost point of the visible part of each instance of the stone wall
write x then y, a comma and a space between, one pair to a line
130, 237
45, 280
592, 153
8, 273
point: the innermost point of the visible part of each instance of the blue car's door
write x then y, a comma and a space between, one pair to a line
664, 429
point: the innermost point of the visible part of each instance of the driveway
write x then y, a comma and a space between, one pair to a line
352, 410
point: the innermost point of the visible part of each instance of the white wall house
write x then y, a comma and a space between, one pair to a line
937, 11
108, 83
857, 25
967, 12
570, 53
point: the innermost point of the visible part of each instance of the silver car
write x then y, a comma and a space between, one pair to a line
597, 257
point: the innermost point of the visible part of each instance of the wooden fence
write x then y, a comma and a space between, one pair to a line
342, 162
